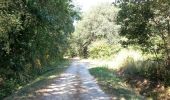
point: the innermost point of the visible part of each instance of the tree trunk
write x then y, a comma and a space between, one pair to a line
168, 44
85, 52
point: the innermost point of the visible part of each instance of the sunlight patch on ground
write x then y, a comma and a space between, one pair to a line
53, 76
117, 61
123, 55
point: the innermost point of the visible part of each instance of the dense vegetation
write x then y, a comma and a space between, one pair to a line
146, 23
114, 84
98, 24
135, 25
33, 33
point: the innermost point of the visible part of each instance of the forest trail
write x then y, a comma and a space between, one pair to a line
75, 83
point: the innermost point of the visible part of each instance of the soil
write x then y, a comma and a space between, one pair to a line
74, 84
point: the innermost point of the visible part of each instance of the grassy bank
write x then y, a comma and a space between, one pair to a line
114, 85
150, 78
47, 74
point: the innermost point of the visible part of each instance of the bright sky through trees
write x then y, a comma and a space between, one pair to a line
86, 4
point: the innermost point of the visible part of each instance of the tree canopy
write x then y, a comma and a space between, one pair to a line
146, 23
99, 23
32, 34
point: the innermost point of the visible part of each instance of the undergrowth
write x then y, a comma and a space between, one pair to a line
12, 85
113, 84
149, 77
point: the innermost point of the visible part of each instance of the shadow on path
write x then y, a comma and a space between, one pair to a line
74, 84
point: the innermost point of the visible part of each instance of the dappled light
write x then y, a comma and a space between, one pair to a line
123, 55
84, 49
74, 84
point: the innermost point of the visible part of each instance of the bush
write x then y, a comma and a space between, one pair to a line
7, 88
101, 49
112, 84
149, 77
150, 69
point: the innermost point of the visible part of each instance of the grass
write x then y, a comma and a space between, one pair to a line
41, 81
150, 78
147, 78
142, 72
114, 85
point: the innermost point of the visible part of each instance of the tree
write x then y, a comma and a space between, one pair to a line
146, 23
32, 34
99, 23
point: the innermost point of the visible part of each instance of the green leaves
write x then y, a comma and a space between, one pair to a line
133, 19
97, 24
33, 32
142, 21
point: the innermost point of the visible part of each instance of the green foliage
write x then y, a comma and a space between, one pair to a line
153, 72
113, 84
102, 50
10, 86
43, 79
92, 28
7, 88
32, 34
146, 23
149, 69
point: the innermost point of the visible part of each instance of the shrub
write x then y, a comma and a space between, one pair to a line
102, 49
7, 88
150, 69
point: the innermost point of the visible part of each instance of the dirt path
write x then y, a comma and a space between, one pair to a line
74, 84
